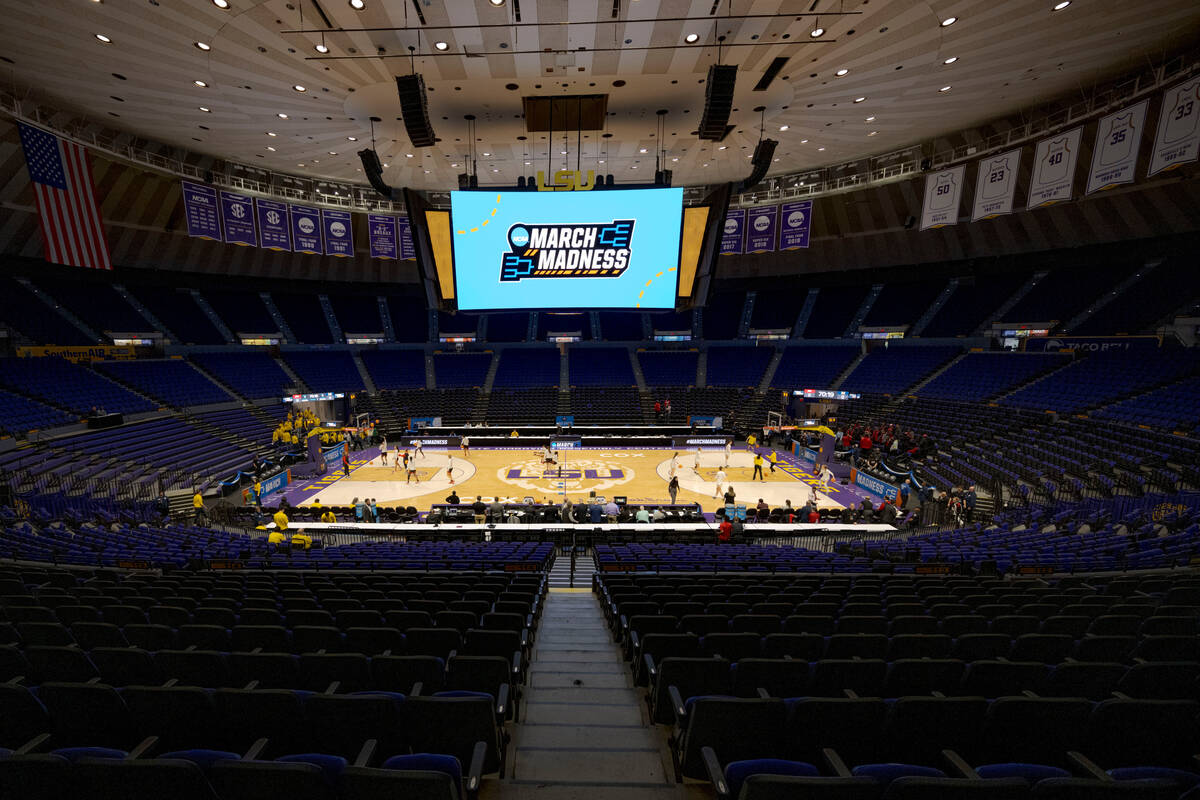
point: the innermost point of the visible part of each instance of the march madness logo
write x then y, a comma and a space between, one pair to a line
567, 251
577, 475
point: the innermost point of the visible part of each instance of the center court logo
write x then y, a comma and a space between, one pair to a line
575, 476
599, 250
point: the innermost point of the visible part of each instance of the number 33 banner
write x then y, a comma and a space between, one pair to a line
1114, 159
1178, 134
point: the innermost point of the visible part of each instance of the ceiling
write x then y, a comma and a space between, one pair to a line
1011, 55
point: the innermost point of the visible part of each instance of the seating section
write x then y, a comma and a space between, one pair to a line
600, 366
410, 318
325, 371
612, 404
1149, 301
20, 414
180, 313
980, 376
393, 408
461, 369
507, 327
621, 326
834, 309
242, 312
68, 385
812, 367
668, 367
395, 369
888, 370
357, 313
98, 304
25, 313
507, 405
250, 373
1175, 407
973, 304
528, 367
1104, 377
576, 324
305, 316
174, 382
251, 425
903, 303
776, 310
737, 365
1067, 290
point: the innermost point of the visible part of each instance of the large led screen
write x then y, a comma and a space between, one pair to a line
553, 250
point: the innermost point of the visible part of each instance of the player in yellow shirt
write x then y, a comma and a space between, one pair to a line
751, 440
774, 459
758, 465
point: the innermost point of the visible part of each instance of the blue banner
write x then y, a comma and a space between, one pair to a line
339, 233
237, 212
306, 230
1091, 344
273, 224
761, 223
275, 483
806, 454
200, 209
794, 225
874, 485
333, 455
733, 236
381, 232
404, 235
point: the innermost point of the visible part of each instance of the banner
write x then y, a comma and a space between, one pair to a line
1054, 169
306, 230
381, 233
943, 191
269, 486
733, 236
995, 184
339, 233
795, 224
408, 251
237, 213
93, 353
1178, 136
333, 455
273, 224
1091, 344
760, 228
1114, 158
874, 485
805, 454
200, 209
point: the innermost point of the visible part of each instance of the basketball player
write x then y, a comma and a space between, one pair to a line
383, 452
826, 475
465, 444
758, 465
406, 458
720, 482
450, 471
696, 462
728, 450
410, 470
773, 459
418, 449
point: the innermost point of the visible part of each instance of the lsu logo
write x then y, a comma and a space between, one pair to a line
578, 475
567, 251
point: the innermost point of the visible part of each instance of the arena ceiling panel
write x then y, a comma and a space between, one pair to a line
271, 98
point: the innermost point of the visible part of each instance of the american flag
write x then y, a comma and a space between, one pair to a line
62, 179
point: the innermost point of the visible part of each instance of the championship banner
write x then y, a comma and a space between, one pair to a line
1114, 158
995, 184
1054, 169
273, 224
408, 252
733, 236
381, 233
237, 212
1178, 136
795, 224
339, 234
943, 191
306, 230
761, 222
200, 209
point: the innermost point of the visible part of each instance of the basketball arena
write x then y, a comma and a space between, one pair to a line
625, 399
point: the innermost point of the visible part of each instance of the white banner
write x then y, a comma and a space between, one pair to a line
1054, 169
995, 185
1114, 158
943, 190
1178, 136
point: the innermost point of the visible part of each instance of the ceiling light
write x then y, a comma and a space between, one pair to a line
282, 115
358, 5
299, 165
486, 154
351, 138
272, 149
426, 172
804, 141
206, 109
642, 150
560, 152
495, 170
332, 153
526, 164
1062, 5
205, 46
385, 166
859, 99
222, 4
814, 33
948, 21
496, 3
841, 72
722, 147
201, 84
299, 88
691, 38
441, 45
820, 148
455, 165
410, 155
706, 165
784, 127
321, 48
950, 60
103, 38
944, 89
634, 166
601, 161
674, 159
871, 118
872, 133
272, 133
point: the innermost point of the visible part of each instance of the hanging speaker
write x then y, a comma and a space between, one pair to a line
374, 172
415, 108
760, 163
718, 102
464, 181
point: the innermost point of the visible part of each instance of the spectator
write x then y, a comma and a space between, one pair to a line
198, 514
737, 529
566, 511
163, 506
360, 510
725, 532
658, 516
496, 510
453, 498
642, 515
762, 505
730, 496
969, 500
479, 509
281, 520
374, 511
595, 510
814, 516
611, 510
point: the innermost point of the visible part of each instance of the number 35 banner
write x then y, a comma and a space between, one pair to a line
943, 190
1114, 158
1178, 136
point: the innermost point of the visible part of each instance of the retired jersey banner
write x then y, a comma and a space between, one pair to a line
404, 235
306, 230
943, 191
381, 232
1178, 136
761, 222
1053, 175
995, 184
273, 224
1114, 158
200, 209
794, 225
339, 234
237, 214
733, 236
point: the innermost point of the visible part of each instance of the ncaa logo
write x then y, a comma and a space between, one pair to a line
762, 223
238, 210
731, 226
337, 229
306, 225
795, 219
273, 217
518, 236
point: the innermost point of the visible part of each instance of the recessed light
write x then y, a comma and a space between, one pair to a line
206, 109
722, 147
496, 3
560, 152
385, 165
706, 165
601, 161
426, 172
804, 141
282, 115
321, 47
299, 88
299, 165
784, 127
455, 165
222, 4
814, 33
841, 72
691, 38
410, 155
205, 46
950, 60
1062, 5
944, 89
871, 118
872, 133
526, 164
634, 166
820, 148
272, 149
495, 170
201, 84
333, 152
441, 45
358, 5
948, 21
859, 99
674, 159
272, 133
351, 138
641, 150
103, 38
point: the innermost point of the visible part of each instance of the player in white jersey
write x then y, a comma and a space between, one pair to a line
696, 462
418, 450
720, 482
728, 450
